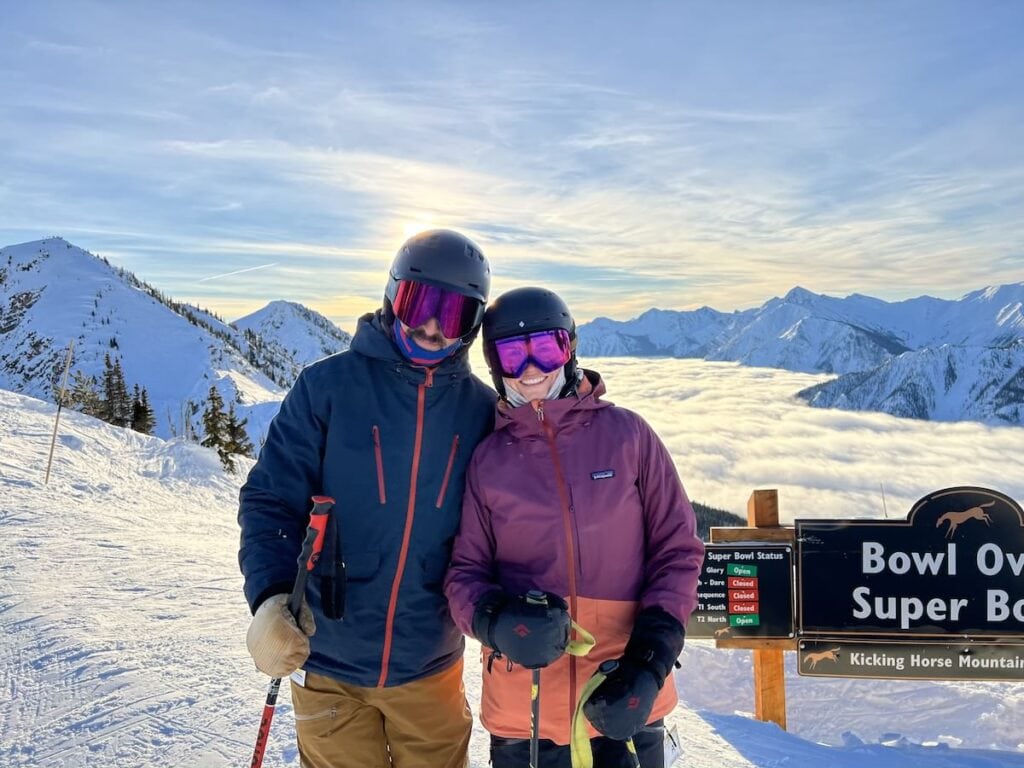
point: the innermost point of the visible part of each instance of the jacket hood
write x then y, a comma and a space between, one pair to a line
525, 419
373, 339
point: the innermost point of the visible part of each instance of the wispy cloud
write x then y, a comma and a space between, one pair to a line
65, 49
881, 164
236, 272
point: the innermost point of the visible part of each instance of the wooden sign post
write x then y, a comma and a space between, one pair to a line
769, 667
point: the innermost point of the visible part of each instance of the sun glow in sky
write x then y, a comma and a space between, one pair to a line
628, 155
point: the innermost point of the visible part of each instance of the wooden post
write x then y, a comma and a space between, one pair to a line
769, 666
60, 404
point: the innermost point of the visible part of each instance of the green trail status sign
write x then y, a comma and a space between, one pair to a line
744, 591
953, 569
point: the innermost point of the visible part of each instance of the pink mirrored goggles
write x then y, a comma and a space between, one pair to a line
548, 350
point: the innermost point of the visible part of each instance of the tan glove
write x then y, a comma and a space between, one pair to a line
276, 643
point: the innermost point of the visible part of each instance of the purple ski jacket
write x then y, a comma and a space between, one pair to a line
577, 497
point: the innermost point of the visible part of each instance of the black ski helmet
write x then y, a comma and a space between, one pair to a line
527, 310
443, 258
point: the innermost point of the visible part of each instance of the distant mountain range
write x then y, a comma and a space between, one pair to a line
923, 358
53, 293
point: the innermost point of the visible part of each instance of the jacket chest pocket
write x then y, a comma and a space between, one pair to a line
378, 455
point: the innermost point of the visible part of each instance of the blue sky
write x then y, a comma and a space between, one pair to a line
628, 155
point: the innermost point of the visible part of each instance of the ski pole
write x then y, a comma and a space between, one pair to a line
536, 597
535, 720
310, 553
634, 758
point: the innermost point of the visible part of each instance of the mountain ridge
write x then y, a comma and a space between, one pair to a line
857, 338
53, 292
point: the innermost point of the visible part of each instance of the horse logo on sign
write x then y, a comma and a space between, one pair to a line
958, 518
832, 654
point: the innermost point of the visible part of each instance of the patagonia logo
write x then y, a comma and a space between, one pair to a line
604, 474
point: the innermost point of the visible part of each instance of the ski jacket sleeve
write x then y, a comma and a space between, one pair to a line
673, 551
471, 573
274, 501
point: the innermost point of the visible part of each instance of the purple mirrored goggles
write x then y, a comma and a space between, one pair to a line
416, 303
548, 350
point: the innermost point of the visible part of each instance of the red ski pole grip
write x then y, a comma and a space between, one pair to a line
318, 521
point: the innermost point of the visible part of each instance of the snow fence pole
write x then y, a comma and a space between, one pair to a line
311, 547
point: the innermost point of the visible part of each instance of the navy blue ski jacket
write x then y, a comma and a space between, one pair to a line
390, 442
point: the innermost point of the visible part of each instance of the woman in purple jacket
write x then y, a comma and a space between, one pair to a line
577, 499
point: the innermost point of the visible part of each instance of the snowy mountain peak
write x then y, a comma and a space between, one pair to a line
855, 336
53, 293
294, 335
800, 295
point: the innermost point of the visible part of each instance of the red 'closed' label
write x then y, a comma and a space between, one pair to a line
742, 582
742, 607
743, 595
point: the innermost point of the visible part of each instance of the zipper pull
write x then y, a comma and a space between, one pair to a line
429, 380
538, 407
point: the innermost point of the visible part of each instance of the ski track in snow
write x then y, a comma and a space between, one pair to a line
122, 629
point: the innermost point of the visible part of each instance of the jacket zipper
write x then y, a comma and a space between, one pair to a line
379, 455
389, 625
563, 495
447, 472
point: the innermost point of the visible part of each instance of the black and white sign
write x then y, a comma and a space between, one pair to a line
954, 566
744, 591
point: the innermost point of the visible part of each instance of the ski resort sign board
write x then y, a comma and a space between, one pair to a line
744, 591
844, 657
954, 567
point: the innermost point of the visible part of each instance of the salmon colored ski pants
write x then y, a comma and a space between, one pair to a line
422, 724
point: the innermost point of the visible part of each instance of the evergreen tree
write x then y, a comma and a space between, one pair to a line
214, 421
238, 442
122, 402
225, 432
117, 405
106, 388
148, 421
84, 395
143, 418
136, 406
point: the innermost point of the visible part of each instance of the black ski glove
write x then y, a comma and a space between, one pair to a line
620, 706
531, 630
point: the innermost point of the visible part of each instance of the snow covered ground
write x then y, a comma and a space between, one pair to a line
122, 622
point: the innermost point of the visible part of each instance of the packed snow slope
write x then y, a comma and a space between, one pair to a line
122, 631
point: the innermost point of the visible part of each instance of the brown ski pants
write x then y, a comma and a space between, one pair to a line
422, 724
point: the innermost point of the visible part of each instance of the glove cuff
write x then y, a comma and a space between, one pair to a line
485, 614
282, 587
656, 641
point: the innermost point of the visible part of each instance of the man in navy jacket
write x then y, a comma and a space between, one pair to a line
386, 428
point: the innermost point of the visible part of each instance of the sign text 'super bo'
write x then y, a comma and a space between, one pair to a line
744, 591
954, 566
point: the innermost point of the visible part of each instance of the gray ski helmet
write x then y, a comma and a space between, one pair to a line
443, 258
527, 310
